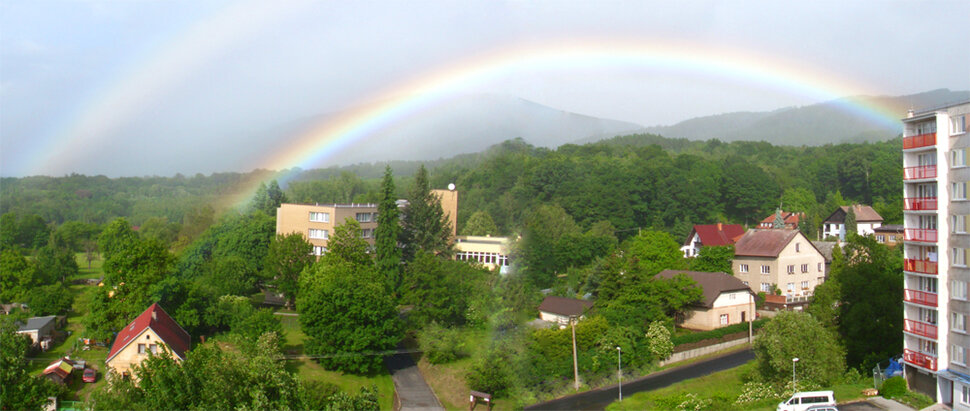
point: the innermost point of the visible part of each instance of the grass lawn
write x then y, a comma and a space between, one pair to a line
309, 370
84, 272
721, 388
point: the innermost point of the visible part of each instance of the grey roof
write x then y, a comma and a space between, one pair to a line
825, 247
36, 323
713, 284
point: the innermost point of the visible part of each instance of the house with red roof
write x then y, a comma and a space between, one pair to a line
711, 235
764, 259
789, 219
150, 332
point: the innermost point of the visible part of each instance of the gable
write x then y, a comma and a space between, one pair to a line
163, 327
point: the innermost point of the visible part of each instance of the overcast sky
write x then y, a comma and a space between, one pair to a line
152, 87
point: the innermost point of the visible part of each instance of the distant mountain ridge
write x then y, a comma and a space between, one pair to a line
815, 124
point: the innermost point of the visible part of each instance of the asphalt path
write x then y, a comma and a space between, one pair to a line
598, 399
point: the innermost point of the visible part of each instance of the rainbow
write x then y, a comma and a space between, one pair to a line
411, 98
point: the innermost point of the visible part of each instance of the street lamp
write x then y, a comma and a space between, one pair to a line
572, 322
619, 370
793, 361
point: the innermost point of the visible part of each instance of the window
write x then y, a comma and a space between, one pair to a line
743, 268
766, 287
319, 217
366, 233
141, 348
960, 256
798, 247
958, 223
153, 348
965, 396
724, 319
804, 268
791, 269
819, 267
732, 296
318, 234
318, 250
765, 269
958, 124
745, 283
927, 347
959, 321
881, 238
804, 285
363, 217
892, 238
959, 157
958, 290
959, 354
959, 190
791, 288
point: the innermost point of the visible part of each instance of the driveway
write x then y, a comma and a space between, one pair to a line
412, 391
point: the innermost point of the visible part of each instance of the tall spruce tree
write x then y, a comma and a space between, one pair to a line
425, 225
387, 233
851, 226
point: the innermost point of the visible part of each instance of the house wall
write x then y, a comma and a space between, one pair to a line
295, 218
32, 334
709, 319
491, 252
555, 318
799, 251
129, 356
693, 246
449, 203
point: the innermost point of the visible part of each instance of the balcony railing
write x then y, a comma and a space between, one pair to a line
920, 297
920, 266
922, 140
919, 203
927, 235
920, 328
919, 172
919, 359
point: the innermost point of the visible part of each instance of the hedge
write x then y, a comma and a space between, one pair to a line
716, 333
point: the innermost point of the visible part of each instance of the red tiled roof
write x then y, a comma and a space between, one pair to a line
791, 219
564, 306
717, 234
172, 334
764, 243
713, 284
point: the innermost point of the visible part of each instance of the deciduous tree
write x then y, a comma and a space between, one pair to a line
794, 334
288, 255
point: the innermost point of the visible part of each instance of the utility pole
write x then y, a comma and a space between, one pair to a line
619, 370
572, 321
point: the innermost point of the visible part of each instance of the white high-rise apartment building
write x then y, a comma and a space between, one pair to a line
937, 251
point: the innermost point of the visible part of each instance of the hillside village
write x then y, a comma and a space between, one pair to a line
319, 302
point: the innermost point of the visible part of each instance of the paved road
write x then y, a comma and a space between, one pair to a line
599, 399
410, 386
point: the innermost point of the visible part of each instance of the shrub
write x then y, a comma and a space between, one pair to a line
716, 333
893, 388
491, 373
441, 345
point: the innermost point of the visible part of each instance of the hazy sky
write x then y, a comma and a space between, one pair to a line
159, 87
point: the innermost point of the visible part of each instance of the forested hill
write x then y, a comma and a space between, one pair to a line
815, 124
630, 181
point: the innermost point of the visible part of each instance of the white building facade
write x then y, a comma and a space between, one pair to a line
936, 344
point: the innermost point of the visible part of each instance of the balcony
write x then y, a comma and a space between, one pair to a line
919, 172
920, 297
919, 203
922, 140
919, 359
920, 266
926, 235
920, 328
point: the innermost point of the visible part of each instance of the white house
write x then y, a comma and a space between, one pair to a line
867, 220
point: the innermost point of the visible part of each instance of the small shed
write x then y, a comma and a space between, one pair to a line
38, 328
559, 309
59, 371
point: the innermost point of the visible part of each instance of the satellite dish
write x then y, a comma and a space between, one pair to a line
451, 186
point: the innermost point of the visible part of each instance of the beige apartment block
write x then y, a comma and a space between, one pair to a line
449, 203
782, 258
317, 221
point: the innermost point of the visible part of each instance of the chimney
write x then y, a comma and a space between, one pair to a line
154, 316
718, 226
910, 113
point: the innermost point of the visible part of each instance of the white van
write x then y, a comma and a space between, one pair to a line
802, 401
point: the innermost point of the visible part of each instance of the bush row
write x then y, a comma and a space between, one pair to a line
716, 333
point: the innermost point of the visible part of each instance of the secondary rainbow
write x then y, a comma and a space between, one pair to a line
413, 97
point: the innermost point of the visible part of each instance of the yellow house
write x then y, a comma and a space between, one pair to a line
726, 300
147, 334
786, 259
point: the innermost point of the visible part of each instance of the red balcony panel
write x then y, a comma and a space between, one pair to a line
919, 359
922, 140
920, 266
920, 328
919, 172
920, 297
919, 203
920, 234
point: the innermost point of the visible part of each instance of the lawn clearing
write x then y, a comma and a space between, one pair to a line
95, 271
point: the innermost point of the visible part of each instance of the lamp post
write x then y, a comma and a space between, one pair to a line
619, 370
793, 361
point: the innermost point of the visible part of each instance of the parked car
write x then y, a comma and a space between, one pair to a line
803, 401
90, 375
